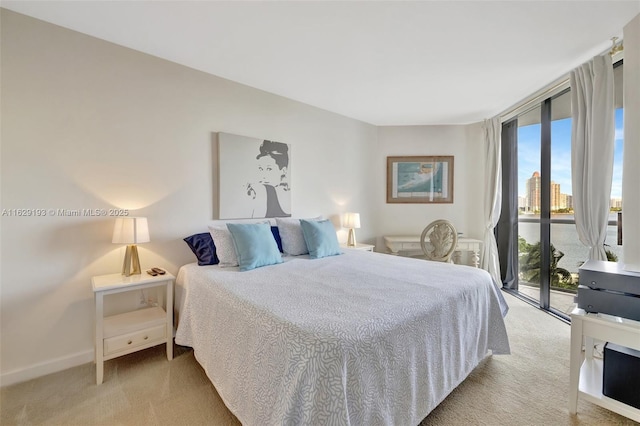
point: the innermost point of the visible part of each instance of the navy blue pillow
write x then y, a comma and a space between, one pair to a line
202, 246
205, 250
276, 234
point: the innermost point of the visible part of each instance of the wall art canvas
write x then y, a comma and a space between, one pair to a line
420, 179
254, 177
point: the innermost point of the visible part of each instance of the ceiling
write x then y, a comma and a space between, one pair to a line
383, 62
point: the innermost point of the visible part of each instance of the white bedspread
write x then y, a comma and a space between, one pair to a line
357, 339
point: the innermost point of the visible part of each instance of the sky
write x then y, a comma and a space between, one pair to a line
529, 155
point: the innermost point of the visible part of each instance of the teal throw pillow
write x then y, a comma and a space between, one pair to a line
255, 245
320, 237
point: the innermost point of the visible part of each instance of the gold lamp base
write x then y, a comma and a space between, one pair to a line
131, 264
351, 239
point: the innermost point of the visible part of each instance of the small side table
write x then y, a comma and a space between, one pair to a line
358, 246
585, 377
122, 334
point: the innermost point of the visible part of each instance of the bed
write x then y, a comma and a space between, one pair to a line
356, 339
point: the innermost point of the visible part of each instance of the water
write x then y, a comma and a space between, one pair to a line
564, 237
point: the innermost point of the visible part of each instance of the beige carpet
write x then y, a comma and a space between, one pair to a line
528, 387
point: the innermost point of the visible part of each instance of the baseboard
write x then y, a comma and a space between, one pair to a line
44, 368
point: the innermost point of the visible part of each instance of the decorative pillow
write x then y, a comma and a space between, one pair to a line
293, 242
225, 250
254, 245
202, 246
276, 236
321, 238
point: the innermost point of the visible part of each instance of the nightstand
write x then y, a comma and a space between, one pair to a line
585, 377
122, 334
358, 246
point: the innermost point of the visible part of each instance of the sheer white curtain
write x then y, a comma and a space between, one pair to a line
492, 196
592, 145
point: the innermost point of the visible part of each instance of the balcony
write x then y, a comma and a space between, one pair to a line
569, 255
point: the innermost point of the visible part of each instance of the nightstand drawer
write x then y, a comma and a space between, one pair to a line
132, 340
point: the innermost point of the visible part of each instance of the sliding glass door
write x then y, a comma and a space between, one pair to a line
549, 252
529, 144
566, 252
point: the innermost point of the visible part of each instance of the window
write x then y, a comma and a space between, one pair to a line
545, 252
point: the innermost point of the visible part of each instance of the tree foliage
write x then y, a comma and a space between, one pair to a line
530, 257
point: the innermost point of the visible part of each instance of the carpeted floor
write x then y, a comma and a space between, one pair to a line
528, 387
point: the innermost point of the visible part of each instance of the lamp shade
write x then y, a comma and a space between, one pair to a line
131, 230
351, 220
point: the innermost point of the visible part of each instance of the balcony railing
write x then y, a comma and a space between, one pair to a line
564, 238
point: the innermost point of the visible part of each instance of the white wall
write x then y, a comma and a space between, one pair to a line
631, 171
88, 124
466, 145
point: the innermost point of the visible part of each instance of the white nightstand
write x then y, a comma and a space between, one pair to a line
132, 331
358, 246
585, 377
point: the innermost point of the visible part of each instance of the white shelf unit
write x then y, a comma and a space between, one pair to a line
128, 332
585, 377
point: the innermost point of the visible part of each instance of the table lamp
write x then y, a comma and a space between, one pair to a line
351, 221
131, 231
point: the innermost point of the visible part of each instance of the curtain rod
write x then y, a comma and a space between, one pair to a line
556, 87
616, 48
548, 91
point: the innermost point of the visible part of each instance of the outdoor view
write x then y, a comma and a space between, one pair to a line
567, 252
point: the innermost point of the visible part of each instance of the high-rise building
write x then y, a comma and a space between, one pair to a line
555, 197
533, 192
558, 200
616, 203
522, 203
568, 201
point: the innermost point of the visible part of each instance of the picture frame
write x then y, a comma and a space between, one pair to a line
424, 179
254, 177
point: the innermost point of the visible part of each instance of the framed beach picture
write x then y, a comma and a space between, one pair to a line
254, 177
420, 179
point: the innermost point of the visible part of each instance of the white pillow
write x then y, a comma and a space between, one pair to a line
293, 242
225, 249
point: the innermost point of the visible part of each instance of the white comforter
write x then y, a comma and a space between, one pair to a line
357, 339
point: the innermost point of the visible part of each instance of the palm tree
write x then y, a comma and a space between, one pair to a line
530, 265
